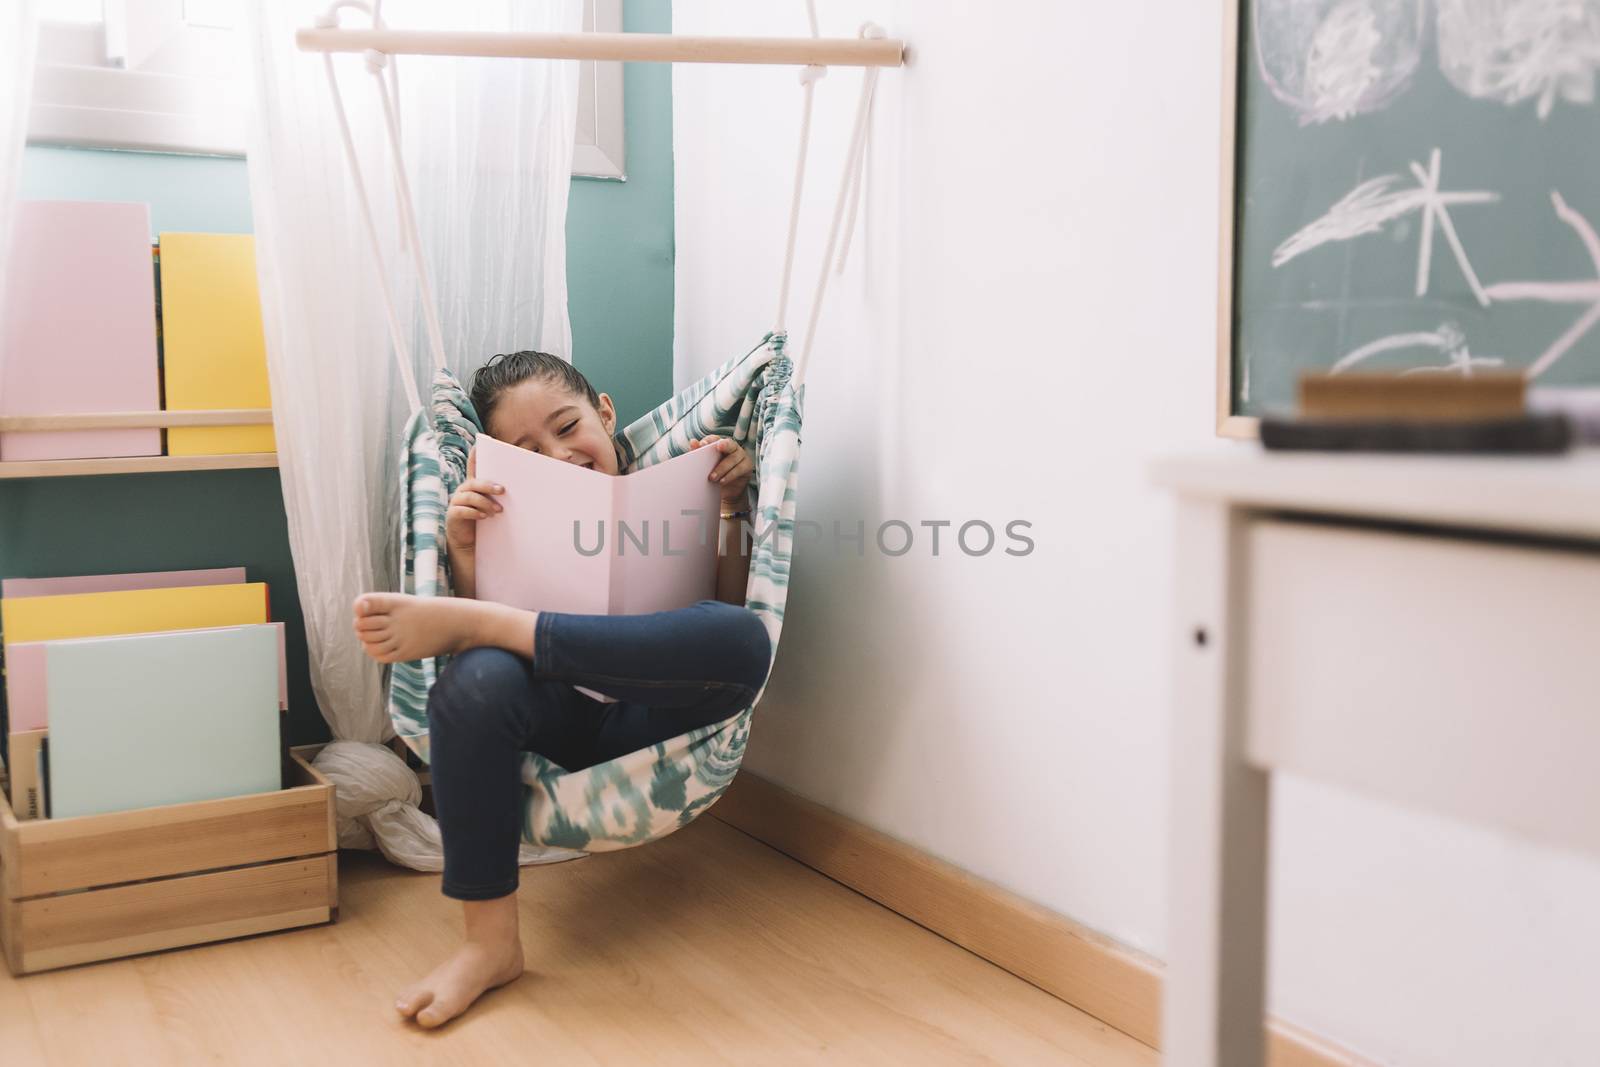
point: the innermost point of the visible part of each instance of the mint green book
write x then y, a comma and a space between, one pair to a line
164, 718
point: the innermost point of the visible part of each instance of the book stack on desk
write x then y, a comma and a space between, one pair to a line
1417, 413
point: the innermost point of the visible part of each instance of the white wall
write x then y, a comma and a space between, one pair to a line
1027, 319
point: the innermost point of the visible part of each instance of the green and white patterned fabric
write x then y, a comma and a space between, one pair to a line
650, 793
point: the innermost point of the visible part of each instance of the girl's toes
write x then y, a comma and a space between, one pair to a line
437, 1013
373, 603
412, 1001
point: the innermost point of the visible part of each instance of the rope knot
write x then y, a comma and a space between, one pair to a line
812, 74
376, 60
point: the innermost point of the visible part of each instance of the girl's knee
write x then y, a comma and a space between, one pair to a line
743, 638
475, 685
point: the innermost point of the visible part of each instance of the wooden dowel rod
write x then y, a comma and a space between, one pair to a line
135, 420
634, 47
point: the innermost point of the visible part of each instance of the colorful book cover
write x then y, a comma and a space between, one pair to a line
107, 583
78, 327
26, 697
167, 718
97, 583
214, 354
131, 611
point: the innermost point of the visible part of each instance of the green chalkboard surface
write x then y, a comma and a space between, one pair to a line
1416, 187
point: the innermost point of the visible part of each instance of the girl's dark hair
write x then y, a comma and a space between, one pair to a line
512, 368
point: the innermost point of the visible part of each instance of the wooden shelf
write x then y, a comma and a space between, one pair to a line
58, 468
134, 420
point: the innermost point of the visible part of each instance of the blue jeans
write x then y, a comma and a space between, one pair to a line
671, 672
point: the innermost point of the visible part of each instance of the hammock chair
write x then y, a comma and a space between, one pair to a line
756, 399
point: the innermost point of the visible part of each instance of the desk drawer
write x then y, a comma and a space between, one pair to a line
1461, 676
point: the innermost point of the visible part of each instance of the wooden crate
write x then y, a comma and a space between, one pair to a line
96, 887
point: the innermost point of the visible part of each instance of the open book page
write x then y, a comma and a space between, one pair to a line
528, 555
664, 558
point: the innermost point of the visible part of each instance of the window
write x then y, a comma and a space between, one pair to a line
597, 151
167, 76
155, 74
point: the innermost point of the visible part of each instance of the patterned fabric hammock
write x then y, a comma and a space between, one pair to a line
649, 793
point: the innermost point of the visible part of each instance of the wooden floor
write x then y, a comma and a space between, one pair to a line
707, 947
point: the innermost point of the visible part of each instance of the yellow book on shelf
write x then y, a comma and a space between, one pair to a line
131, 611
213, 353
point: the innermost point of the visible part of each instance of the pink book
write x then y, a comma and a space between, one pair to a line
577, 540
116, 583
78, 327
28, 706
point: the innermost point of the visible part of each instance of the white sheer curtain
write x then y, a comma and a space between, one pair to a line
488, 147
17, 44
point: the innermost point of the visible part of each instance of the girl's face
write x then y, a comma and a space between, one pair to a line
547, 419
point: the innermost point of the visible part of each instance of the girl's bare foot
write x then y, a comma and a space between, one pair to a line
398, 627
490, 957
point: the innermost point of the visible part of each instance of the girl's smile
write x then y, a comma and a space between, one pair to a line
546, 419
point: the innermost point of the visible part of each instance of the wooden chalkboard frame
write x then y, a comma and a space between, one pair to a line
1229, 424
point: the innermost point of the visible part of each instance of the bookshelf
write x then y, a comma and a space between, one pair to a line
135, 420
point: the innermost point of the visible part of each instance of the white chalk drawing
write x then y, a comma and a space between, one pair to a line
1581, 292
1371, 205
1335, 59
1510, 51
1448, 340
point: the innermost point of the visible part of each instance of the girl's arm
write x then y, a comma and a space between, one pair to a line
463, 571
734, 471
473, 501
733, 564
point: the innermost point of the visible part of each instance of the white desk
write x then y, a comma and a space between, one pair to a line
1422, 629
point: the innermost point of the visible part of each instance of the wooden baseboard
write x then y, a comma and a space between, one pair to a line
1116, 985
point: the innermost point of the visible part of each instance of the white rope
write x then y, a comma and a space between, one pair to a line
857, 179
809, 76
394, 87
402, 352
408, 212
850, 179
808, 79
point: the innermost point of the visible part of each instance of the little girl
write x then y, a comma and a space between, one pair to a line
511, 686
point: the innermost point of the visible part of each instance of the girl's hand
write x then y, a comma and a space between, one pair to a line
733, 470
472, 502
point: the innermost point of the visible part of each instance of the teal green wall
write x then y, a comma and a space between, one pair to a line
619, 288
619, 244
159, 522
204, 194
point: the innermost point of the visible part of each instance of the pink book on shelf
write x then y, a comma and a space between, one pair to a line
78, 329
114, 583
28, 707
577, 540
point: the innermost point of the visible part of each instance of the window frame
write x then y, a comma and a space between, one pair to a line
82, 101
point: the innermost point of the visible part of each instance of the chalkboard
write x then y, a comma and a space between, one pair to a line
1415, 186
